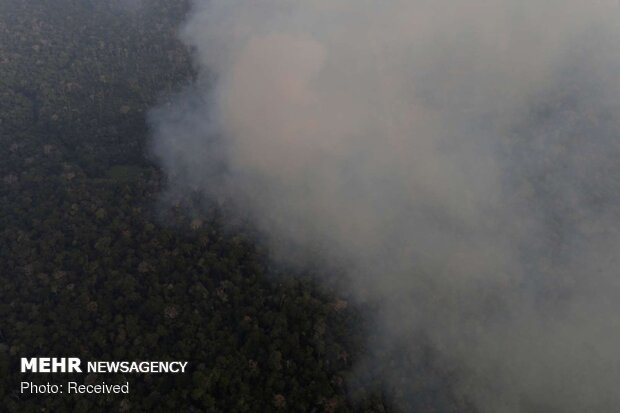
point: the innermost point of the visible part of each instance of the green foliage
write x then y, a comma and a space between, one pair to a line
88, 269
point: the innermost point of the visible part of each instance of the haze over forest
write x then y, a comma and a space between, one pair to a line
324, 206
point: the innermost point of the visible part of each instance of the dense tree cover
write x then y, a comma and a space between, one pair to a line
91, 267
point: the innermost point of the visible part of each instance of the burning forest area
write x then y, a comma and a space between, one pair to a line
309, 206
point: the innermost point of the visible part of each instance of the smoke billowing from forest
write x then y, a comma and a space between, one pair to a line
459, 159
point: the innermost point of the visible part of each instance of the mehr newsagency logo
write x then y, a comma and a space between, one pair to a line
93, 368
74, 365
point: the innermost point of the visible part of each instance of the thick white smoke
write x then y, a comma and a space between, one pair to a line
459, 157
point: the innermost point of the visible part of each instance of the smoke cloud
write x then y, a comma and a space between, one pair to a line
458, 158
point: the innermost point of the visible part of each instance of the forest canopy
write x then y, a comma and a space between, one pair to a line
92, 265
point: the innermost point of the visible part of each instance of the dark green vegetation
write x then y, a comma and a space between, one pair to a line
87, 266
91, 267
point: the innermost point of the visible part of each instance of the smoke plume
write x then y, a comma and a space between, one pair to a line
458, 158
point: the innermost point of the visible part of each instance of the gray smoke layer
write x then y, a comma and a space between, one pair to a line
460, 158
